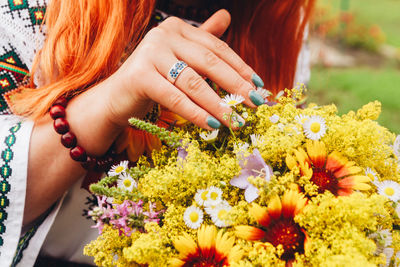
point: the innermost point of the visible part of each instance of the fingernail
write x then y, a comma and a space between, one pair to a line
256, 98
258, 82
213, 122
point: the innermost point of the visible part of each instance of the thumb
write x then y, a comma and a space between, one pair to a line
217, 23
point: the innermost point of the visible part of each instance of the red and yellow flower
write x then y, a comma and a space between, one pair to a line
212, 249
135, 142
277, 225
330, 172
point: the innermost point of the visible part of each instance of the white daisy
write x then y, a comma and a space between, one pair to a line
218, 215
314, 128
232, 100
372, 175
256, 140
274, 118
126, 182
398, 211
214, 196
193, 217
301, 119
209, 137
396, 147
201, 196
210, 209
263, 92
118, 169
390, 189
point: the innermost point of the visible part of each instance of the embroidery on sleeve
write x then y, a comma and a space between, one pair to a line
7, 156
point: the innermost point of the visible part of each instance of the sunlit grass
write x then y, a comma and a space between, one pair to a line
352, 88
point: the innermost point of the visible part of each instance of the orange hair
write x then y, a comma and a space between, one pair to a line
86, 40
268, 35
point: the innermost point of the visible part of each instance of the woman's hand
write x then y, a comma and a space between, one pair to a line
142, 79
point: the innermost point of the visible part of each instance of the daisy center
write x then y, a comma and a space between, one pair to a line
221, 214
389, 191
232, 102
315, 127
287, 233
214, 195
127, 183
119, 169
194, 216
204, 195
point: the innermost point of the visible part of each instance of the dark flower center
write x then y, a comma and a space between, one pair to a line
325, 180
213, 258
287, 233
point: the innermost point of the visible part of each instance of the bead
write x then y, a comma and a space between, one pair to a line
57, 111
68, 140
78, 154
90, 163
62, 101
61, 125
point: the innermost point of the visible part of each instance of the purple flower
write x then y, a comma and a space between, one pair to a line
182, 152
253, 165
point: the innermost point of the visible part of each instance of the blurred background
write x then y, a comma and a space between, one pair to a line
355, 55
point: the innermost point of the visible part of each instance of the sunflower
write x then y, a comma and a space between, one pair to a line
135, 142
329, 172
277, 225
212, 249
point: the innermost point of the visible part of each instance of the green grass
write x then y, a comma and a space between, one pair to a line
352, 88
385, 13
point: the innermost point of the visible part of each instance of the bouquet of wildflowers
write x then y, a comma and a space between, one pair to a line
301, 187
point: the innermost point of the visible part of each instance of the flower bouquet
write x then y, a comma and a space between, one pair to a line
300, 187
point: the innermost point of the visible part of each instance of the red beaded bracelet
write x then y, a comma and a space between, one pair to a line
68, 140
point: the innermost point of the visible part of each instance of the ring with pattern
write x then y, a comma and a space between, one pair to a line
176, 69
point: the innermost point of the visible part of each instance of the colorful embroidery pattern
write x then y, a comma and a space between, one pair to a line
31, 14
7, 156
23, 244
12, 75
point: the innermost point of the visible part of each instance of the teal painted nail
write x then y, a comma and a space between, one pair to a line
257, 80
256, 98
213, 122
241, 123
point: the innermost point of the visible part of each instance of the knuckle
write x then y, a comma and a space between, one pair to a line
172, 21
211, 58
221, 45
194, 83
196, 116
175, 99
156, 33
241, 84
242, 68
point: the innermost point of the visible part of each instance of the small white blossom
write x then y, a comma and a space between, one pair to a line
314, 128
209, 137
232, 100
193, 217
119, 168
274, 118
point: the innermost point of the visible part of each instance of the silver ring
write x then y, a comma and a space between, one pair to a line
175, 70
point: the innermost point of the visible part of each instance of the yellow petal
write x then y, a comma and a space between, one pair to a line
249, 232
260, 214
185, 245
275, 207
291, 162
